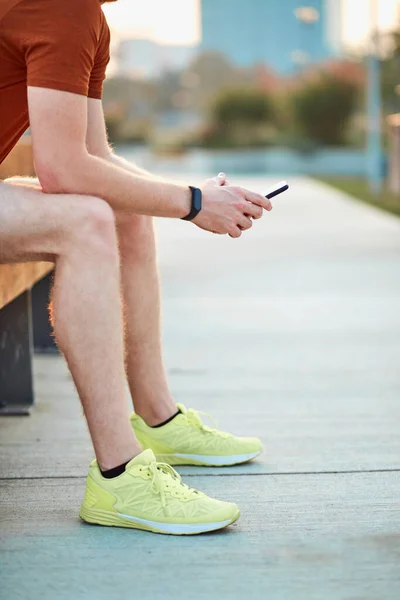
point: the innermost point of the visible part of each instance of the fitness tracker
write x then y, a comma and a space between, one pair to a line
196, 204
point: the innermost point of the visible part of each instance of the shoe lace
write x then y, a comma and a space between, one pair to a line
164, 477
194, 419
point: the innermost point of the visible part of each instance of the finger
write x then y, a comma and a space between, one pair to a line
258, 199
252, 210
244, 223
235, 232
220, 179
226, 182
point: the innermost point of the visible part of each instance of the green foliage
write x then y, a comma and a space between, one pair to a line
240, 117
390, 74
214, 70
390, 78
322, 109
250, 107
358, 187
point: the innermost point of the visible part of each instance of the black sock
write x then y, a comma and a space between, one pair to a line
110, 473
167, 421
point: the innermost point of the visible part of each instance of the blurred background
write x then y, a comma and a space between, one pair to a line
272, 87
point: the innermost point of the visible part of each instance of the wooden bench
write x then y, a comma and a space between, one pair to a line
18, 317
23, 310
19, 161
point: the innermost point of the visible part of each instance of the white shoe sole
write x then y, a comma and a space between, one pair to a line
110, 519
176, 529
208, 461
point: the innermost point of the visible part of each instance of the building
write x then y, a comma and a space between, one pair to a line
283, 34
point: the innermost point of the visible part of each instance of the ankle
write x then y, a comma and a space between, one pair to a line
154, 414
115, 471
109, 462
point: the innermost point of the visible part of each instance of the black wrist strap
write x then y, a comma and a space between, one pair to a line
196, 203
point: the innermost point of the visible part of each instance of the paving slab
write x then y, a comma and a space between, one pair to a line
302, 432
325, 536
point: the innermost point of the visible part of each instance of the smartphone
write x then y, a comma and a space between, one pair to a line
278, 188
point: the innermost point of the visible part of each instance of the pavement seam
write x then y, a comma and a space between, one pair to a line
274, 474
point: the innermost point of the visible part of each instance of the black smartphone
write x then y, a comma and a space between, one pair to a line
280, 187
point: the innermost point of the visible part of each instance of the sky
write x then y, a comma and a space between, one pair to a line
177, 21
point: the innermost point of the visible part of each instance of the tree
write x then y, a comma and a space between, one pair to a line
250, 107
214, 73
128, 108
240, 117
390, 73
322, 109
165, 88
213, 69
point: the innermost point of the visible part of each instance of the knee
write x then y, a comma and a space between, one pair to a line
136, 238
94, 226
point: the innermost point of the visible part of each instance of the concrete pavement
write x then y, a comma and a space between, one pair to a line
291, 333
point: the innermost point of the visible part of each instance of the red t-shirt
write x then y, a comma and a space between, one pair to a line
57, 44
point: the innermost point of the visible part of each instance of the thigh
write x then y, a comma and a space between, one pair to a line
33, 224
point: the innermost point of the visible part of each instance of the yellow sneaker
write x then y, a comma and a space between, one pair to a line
187, 441
152, 496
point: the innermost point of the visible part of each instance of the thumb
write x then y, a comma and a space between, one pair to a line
220, 179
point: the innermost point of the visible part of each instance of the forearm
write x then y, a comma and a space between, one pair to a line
123, 189
131, 167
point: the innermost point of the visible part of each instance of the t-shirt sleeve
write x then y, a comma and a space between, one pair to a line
101, 61
64, 52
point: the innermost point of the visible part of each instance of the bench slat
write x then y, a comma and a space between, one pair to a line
16, 278
19, 161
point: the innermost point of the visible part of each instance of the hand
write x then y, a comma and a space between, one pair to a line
229, 209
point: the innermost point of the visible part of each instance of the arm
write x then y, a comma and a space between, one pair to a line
59, 122
132, 167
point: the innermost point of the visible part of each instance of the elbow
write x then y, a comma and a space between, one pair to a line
50, 179
59, 178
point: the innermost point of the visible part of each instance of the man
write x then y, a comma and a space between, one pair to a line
91, 215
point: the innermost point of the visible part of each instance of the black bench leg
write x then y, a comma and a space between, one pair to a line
43, 339
16, 381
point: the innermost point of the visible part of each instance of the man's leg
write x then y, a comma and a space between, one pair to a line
184, 439
78, 233
146, 374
